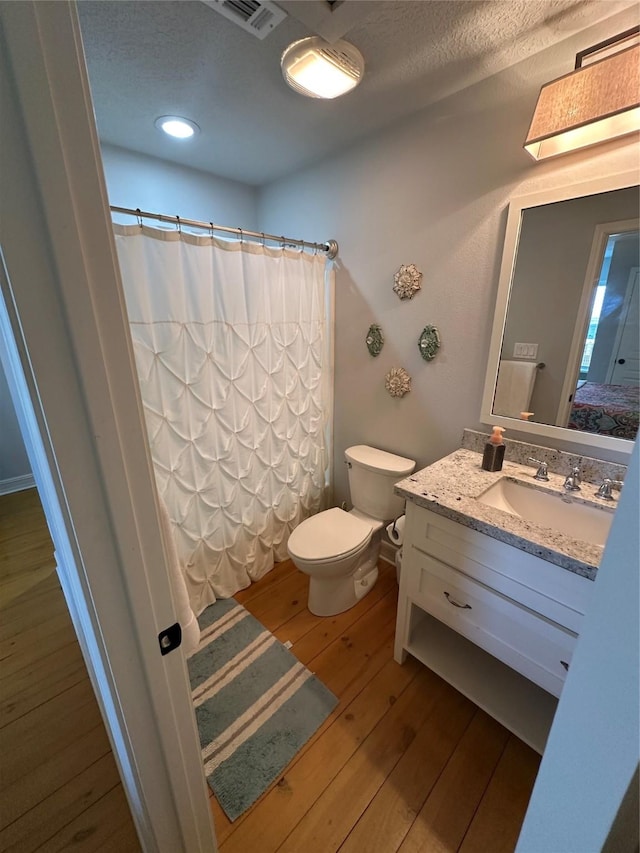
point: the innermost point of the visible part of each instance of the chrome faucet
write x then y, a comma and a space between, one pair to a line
605, 488
543, 469
572, 483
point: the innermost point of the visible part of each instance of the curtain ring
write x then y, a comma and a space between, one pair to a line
282, 240
211, 229
178, 225
264, 245
241, 236
301, 246
139, 216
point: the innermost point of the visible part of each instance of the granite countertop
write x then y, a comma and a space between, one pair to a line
451, 486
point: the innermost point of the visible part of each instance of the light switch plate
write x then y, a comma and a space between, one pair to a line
525, 350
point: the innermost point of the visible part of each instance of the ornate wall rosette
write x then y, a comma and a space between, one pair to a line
407, 281
374, 340
429, 342
397, 382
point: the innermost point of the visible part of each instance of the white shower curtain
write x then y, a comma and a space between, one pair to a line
233, 355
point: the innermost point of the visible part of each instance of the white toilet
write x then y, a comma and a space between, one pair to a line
339, 550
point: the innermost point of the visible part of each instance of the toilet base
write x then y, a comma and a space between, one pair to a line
330, 596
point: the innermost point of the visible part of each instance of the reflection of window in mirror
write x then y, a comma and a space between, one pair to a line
591, 332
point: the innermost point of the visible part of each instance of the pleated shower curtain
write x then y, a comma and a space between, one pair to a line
232, 347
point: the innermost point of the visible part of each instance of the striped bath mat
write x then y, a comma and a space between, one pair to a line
255, 703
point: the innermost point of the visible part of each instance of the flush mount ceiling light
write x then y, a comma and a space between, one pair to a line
318, 69
179, 128
597, 102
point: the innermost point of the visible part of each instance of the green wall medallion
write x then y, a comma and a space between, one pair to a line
375, 340
429, 342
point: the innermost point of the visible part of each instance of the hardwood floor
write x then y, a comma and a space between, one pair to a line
59, 786
404, 763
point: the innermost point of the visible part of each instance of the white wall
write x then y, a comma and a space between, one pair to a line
135, 180
433, 192
14, 464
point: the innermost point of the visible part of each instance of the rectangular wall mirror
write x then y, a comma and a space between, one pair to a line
564, 360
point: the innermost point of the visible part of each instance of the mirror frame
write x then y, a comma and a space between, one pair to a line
517, 205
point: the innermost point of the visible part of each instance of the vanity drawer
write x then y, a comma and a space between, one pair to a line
533, 645
560, 595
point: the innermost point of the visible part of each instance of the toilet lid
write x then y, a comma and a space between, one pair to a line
332, 533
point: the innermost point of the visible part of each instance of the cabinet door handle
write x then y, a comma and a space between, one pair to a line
565, 665
455, 603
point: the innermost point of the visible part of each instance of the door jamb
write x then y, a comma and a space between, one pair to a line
69, 355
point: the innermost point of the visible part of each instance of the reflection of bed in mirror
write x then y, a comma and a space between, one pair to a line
606, 410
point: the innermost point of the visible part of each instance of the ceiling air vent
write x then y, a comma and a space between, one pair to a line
259, 17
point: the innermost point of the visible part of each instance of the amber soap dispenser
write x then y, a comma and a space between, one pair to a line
493, 455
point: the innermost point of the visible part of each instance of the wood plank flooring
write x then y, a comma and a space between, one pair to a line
59, 786
404, 763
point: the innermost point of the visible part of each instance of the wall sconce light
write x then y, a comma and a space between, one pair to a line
318, 69
598, 101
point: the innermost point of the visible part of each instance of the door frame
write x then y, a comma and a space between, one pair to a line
601, 235
68, 356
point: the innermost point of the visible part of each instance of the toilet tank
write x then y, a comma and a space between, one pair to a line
372, 475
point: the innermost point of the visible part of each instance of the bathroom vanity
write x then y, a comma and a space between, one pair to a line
493, 601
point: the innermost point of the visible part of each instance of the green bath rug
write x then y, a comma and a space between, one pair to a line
256, 704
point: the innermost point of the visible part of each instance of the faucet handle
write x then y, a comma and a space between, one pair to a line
543, 469
605, 489
572, 482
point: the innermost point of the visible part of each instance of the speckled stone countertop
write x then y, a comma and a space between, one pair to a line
451, 486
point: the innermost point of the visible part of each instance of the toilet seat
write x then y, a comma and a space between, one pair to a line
330, 535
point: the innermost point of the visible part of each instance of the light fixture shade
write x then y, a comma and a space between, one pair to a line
593, 104
318, 69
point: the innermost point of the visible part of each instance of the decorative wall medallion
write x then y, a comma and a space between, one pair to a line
407, 281
374, 340
429, 342
397, 382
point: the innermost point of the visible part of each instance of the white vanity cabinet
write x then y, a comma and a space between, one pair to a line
496, 622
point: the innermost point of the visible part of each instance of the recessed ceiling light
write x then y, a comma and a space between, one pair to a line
179, 128
318, 69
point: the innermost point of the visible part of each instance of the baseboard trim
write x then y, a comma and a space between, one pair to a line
16, 484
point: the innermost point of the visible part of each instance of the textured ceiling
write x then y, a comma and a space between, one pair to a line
149, 58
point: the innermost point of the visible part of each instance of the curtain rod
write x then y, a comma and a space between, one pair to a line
330, 248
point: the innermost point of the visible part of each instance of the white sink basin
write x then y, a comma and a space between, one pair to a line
559, 512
